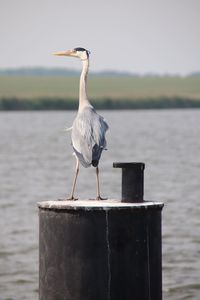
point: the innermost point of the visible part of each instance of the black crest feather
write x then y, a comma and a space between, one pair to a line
82, 49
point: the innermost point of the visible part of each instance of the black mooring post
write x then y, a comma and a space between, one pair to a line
132, 181
100, 250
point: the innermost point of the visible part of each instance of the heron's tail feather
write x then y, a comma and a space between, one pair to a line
95, 163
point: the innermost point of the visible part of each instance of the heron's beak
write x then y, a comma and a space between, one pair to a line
64, 53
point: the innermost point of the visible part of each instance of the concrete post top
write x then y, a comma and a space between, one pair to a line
110, 204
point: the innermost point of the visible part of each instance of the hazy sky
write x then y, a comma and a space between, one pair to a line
131, 35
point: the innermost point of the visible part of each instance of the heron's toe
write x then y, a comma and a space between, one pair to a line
72, 198
101, 198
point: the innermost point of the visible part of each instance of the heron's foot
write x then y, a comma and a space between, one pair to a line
68, 199
101, 198
72, 198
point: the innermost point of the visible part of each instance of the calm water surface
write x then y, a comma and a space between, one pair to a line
36, 164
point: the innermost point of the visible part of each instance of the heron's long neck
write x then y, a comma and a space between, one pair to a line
83, 100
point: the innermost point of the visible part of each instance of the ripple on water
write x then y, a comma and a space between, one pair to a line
36, 164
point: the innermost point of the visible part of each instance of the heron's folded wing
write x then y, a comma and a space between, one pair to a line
99, 130
88, 135
82, 138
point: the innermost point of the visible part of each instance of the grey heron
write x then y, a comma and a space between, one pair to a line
89, 128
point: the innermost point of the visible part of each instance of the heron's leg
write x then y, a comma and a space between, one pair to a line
74, 182
98, 186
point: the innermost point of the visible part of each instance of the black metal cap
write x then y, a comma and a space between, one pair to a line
129, 165
132, 180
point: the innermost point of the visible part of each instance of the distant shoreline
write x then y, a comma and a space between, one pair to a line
61, 93
59, 71
15, 104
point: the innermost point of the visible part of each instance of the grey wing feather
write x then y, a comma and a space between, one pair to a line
88, 136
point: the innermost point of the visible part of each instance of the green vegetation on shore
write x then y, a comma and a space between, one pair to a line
121, 92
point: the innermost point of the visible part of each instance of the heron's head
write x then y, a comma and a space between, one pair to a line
79, 52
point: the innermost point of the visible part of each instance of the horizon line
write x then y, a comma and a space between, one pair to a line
103, 71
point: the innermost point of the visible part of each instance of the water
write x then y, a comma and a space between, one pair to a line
36, 164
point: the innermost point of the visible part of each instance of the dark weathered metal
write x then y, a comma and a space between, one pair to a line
102, 250
111, 253
132, 181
